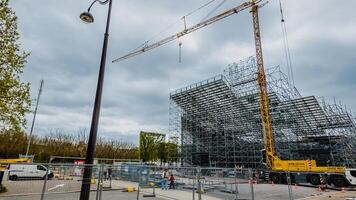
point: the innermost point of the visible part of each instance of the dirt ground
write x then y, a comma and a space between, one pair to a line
348, 195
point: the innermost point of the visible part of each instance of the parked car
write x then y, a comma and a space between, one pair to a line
28, 171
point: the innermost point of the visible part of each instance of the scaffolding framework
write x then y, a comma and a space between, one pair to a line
218, 121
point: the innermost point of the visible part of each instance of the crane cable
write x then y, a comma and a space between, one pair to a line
286, 48
194, 28
213, 10
173, 24
204, 18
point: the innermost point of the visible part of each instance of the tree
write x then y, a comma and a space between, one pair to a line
15, 99
151, 146
172, 153
60, 143
161, 151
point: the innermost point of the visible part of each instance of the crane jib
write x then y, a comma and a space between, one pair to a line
187, 31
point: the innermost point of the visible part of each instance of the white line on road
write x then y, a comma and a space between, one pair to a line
57, 186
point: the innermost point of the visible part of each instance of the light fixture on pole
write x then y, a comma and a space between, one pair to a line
87, 17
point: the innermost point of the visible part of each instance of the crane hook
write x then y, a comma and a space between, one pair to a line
180, 52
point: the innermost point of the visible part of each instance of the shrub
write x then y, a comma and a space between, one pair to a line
3, 189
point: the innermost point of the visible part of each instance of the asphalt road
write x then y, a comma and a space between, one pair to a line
61, 190
107, 195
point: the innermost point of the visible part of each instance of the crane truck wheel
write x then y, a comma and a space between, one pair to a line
313, 179
338, 181
275, 177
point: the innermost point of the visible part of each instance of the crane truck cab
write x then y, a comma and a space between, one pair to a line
350, 175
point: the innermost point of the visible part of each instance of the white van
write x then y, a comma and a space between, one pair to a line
28, 171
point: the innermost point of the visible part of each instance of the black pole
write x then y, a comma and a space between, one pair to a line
85, 190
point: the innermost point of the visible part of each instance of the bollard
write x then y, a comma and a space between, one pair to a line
251, 184
98, 185
193, 189
236, 187
110, 176
289, 186
45, 183
199, 183
252, 191
101, 181
154, 181
139, 180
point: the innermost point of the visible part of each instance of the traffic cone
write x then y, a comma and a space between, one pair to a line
295, 186
319, 189
343, 189
272, 183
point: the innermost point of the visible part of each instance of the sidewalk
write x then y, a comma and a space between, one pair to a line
168, 194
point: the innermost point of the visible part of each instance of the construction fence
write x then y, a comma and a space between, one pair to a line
136, 181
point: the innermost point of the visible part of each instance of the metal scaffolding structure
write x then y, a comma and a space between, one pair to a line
219, 124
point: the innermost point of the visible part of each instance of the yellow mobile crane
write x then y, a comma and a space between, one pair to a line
339, 176
279, 167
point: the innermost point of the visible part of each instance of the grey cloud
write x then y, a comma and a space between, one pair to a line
66, 53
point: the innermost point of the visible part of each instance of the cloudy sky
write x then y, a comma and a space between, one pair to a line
66, 53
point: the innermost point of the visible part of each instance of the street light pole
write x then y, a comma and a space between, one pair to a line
85, 190
34, 119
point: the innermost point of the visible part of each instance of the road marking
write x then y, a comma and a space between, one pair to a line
57, 186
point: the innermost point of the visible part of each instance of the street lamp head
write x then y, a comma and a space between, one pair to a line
87, 17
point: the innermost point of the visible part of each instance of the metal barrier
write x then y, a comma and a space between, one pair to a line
136, 181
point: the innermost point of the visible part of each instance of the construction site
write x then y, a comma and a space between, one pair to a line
253, 116
218, 121
245, 133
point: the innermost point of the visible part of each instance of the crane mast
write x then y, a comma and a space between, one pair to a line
262, 91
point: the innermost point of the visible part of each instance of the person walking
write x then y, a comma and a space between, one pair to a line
109, 173
171, 182
164, 185
105, 175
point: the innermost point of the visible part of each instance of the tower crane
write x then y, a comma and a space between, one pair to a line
186, 31
277, 168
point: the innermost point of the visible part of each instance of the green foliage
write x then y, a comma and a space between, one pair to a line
3, 189
153, 147
150, 145
172, 153
161, 151
14, 95
12, 144
61, 144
